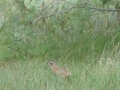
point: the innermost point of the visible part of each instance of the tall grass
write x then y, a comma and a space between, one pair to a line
38, 75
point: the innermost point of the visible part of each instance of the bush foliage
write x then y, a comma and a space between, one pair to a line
56, 29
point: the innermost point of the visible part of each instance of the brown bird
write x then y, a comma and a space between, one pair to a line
63, 73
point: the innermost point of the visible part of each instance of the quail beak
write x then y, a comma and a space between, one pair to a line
50, 63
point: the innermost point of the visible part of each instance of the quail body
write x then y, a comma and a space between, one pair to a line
57, 70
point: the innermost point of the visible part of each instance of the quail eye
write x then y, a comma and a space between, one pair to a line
51, 63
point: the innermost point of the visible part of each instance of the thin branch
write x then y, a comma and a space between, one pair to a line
105, 10
93, 8
47, 6
54, 14
68, 2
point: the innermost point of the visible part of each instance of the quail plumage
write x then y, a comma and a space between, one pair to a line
57, 70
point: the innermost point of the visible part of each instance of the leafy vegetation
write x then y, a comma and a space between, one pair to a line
81, 36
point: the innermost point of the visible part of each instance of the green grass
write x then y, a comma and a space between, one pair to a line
37, 75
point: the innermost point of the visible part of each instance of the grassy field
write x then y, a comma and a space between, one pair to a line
37, 75
88, 46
